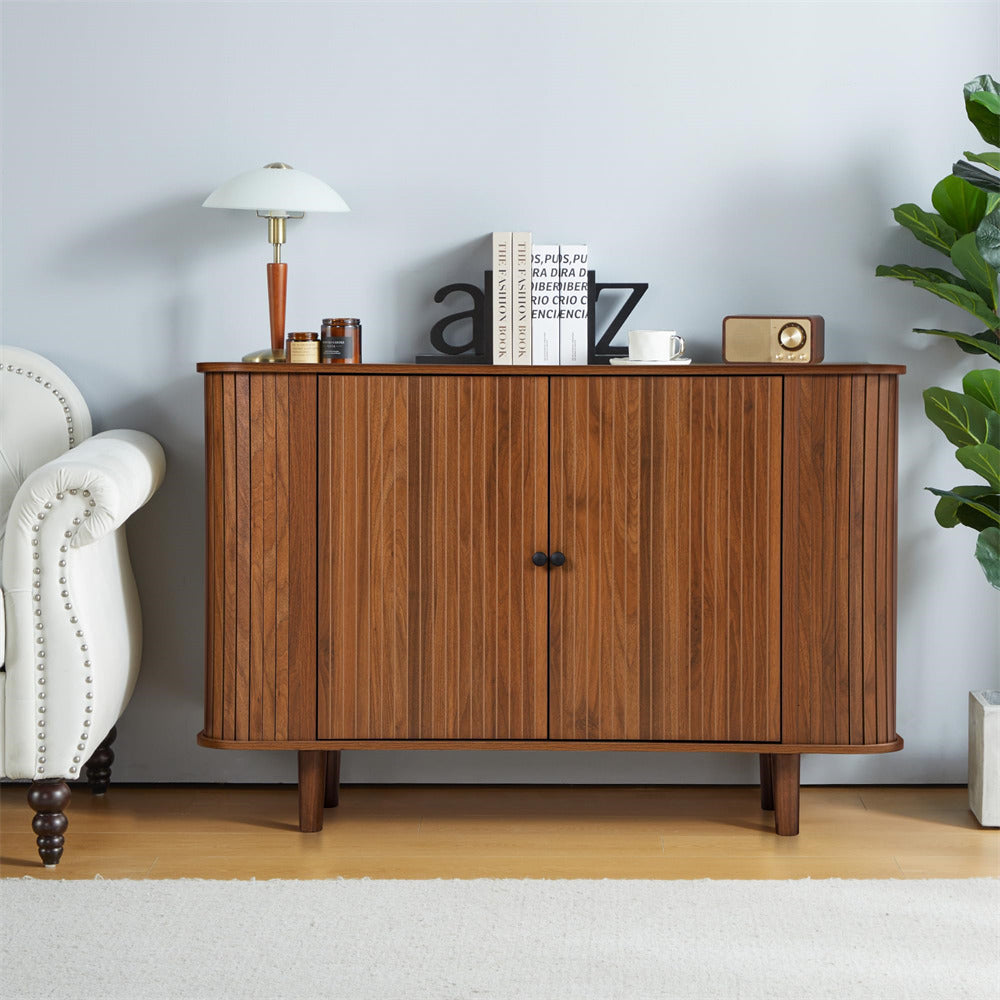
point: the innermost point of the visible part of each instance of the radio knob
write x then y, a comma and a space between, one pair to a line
792, 337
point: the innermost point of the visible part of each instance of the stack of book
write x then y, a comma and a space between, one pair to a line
540, 302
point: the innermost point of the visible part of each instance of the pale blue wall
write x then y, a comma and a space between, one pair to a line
741, 157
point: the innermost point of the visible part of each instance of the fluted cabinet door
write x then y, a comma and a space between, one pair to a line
666, 501
839, 635
432, 617
261, 557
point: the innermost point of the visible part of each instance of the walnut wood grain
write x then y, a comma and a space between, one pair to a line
729, 583
261, 466
665, 620
839, 545
312, 790
785, 791
767, 781
331, 797
432, 619
661, 746
277, 290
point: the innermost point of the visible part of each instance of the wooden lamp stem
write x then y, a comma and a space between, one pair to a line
277, 284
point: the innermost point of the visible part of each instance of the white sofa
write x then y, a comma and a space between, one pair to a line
70, 626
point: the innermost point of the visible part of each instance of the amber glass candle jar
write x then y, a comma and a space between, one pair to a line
341, 342
302, 348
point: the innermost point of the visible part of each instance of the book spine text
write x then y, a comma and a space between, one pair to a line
503, 353
521, 288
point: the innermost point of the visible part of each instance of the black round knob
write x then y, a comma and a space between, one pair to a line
539, 558
557, 559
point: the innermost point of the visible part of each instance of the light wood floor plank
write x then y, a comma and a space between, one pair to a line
680, 832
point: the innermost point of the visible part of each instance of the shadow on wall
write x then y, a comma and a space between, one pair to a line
166, 541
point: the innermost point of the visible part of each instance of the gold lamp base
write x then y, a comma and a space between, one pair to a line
265, 356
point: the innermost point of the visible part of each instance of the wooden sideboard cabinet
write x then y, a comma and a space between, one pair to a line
589, 558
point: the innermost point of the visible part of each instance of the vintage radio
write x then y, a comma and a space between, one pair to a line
772, 339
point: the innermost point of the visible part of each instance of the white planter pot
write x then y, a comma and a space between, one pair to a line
984, 756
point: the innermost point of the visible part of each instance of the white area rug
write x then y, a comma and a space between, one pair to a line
484, 939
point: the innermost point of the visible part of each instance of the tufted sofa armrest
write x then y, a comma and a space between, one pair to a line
120, 470
74, 630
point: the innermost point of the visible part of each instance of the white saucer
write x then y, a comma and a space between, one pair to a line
629, 361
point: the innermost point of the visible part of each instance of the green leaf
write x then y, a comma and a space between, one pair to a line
988, 336
988, 554
984, 384
993, 513
935, 275
990, 159
984, 112
929, 228
992, 204
984, 460
977, 343
963, 420
979, 179
961, 204
964, 299
948, 507
978, 274
988, 238
983, 107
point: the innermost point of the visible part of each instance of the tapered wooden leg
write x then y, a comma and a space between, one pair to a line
767, 781
49, 799
785, 784
312, 786
332, 797
99, 765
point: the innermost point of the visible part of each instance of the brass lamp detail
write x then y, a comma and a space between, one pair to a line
276, 192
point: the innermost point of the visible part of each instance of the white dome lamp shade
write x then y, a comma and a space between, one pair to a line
276, 192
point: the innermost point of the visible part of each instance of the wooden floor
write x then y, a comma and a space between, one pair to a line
682, 832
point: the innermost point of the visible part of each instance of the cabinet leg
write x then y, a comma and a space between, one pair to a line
332, 797
767, 781
785, 785
312, 779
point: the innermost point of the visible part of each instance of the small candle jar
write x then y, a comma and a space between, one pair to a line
341, 342
302, 348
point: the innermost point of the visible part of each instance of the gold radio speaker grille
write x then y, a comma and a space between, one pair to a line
762, 340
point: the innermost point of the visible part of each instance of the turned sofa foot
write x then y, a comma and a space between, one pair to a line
332, 796
99, 765
312, 789
49, 799
785, 786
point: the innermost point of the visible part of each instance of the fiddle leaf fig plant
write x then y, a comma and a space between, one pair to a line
965, 228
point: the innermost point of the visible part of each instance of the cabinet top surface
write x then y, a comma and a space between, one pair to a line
549, 370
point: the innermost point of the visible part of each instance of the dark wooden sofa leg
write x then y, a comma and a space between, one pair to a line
332, 796
99, 765
767, 781
49, 798
785, 785
312, 789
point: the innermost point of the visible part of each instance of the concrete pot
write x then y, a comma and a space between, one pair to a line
984, 756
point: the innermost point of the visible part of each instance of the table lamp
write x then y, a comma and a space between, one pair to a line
276, 192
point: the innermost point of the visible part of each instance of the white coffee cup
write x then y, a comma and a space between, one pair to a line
655, 345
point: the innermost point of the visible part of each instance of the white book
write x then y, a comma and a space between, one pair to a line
521, 287
503, 353
545, 304
573, 304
